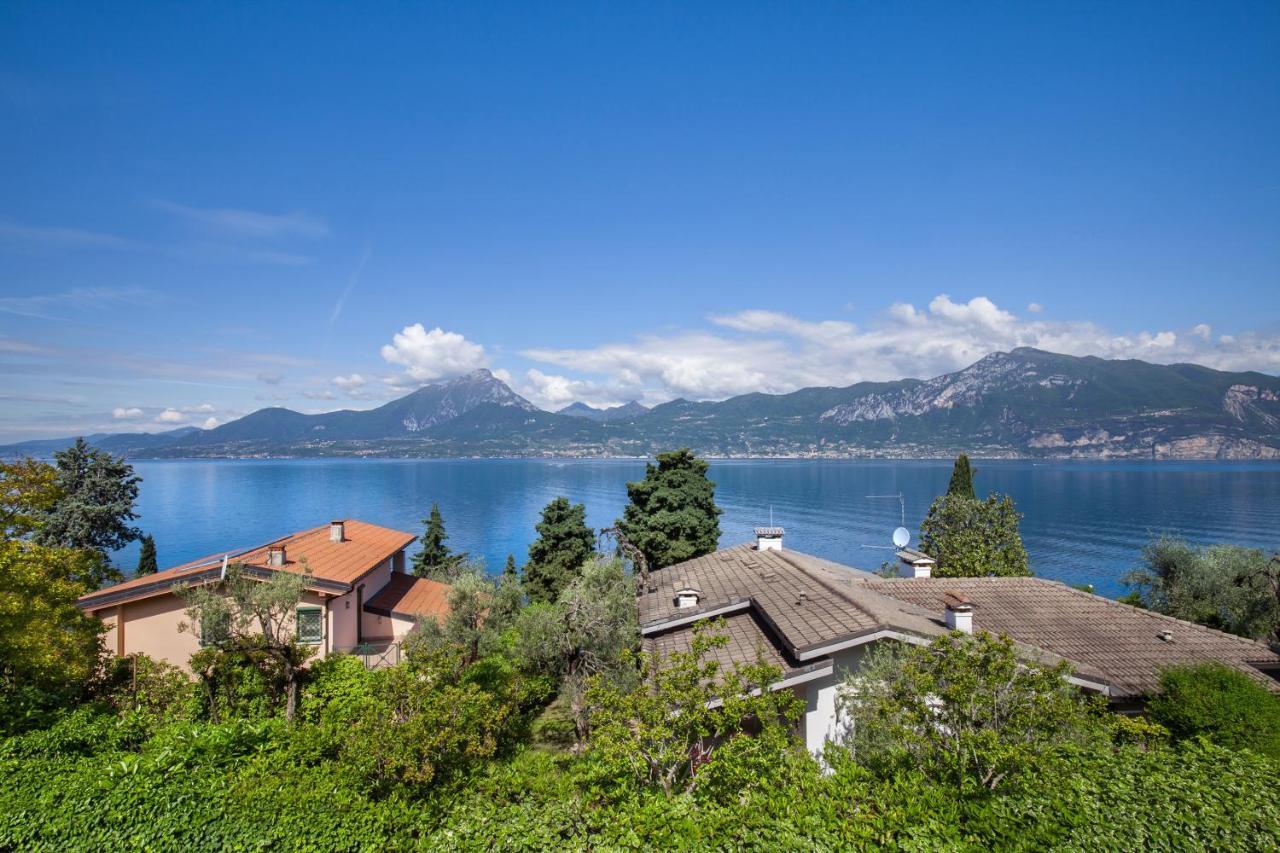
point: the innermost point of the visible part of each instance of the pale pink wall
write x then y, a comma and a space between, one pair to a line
151, 628
151, 624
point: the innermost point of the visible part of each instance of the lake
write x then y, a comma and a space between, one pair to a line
1085, 522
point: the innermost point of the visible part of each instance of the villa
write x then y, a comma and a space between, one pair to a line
358, 595
815, 619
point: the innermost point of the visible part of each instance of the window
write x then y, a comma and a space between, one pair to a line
310, 625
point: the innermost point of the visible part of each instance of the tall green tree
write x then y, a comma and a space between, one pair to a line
29, 490
974, 538
509, 569
1227, 587
563, 546
98, 492
587, 632
435, 560
49, 649
147, 564
961, 478
672, 515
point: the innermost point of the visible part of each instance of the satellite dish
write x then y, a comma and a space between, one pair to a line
901, 537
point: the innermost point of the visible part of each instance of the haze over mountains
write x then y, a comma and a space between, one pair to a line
1024, 403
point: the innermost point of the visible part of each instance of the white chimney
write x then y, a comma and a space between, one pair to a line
276, 556
768, 538
337, 531
687, 597
914, 564
959, 612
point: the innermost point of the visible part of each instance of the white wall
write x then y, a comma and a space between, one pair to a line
821, 720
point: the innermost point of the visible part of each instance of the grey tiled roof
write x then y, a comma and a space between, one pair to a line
760, 593
1122, 642
748, 643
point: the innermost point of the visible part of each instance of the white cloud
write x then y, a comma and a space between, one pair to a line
202, 409
349, 383
1035, 307
775, 352
210, 423
171, 416
436, 354
250, 223
324, 394
553, 392
122, 413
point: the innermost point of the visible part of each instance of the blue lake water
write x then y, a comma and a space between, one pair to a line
1084, 522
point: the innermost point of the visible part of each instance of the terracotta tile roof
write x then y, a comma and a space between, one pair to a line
406, 595
1108, 643
1122, 642
333, 564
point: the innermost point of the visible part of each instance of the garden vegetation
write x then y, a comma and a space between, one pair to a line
520, 724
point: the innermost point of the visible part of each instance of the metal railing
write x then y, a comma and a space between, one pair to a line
375, 655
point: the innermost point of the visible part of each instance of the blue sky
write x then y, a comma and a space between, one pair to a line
210, 208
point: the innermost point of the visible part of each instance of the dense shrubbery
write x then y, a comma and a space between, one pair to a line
1226, 706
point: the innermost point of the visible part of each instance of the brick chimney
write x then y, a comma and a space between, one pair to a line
337, 531
959, 612
276, 555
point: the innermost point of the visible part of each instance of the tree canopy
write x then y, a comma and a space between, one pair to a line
563, 546
49, 649
962, 708
96, 504
147, 564
29, 490
961, 478
672, 515
1226, 587
435, 560
974, 538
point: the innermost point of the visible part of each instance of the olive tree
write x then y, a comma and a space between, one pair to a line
249, 612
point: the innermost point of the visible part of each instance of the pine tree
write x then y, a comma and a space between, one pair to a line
147, 564
672, 515
509, 570
962, 478
563, 546
435, 560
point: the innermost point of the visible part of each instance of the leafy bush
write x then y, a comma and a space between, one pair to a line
1224, 705
142, 683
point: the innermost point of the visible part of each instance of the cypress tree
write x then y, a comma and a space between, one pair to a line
435, 560
563, 546
672, 515
509, 570
962, 478
147, 564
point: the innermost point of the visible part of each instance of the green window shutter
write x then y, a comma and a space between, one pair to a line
310, 625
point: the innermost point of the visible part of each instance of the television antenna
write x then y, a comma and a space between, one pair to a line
901, 536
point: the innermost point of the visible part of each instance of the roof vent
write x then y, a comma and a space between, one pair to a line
769, 538
801, 598
687, 597
959, 612
1166, 635
915, 564
276, 556
337, 531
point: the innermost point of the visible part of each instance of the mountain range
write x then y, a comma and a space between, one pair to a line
1024, 403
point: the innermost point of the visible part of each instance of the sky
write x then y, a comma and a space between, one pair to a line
212, 208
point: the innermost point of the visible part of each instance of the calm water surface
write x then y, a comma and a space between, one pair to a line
1084, 522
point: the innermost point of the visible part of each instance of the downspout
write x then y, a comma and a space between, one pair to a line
328, 628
